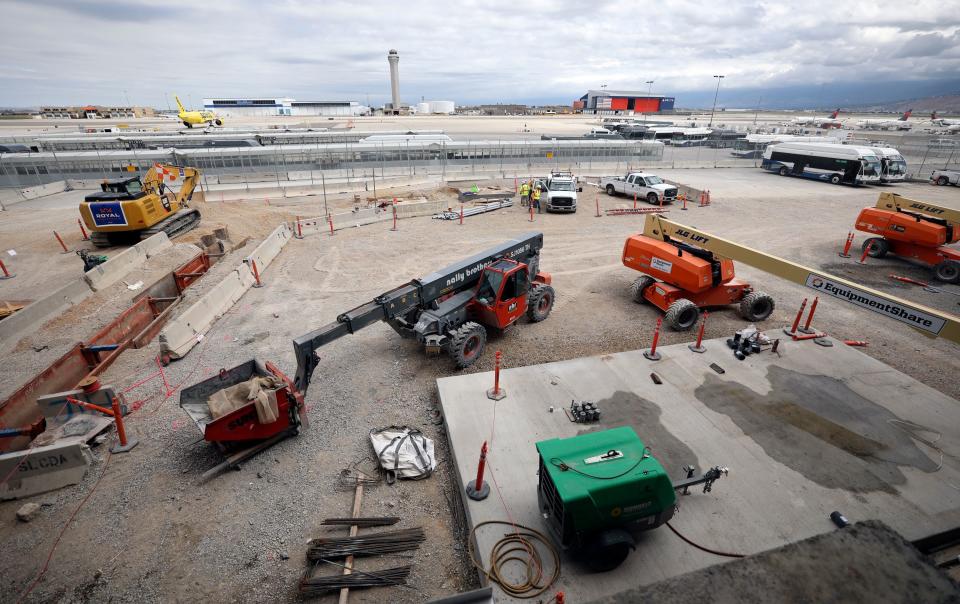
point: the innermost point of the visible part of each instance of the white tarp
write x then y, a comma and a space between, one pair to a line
403, 452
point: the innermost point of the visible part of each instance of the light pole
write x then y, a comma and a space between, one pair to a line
649, 86
715, 96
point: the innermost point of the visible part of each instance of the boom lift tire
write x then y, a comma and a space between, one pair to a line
540, 303
682, 315
653, 199
878, 247
947, 271
638, 287
756, 306
467, 344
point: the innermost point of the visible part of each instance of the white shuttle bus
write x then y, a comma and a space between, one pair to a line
893, 168
839, 164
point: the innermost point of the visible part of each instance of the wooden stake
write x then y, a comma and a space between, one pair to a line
348, 564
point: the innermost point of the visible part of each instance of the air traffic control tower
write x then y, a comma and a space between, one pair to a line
394, 60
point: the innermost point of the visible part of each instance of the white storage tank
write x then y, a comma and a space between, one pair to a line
423, 107
447, 107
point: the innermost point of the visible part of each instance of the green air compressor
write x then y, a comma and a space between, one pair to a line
596, 487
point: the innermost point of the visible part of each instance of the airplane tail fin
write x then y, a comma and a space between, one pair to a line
179, 104
834, 115
933, 116
906, 115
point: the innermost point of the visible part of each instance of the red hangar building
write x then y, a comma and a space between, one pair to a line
623, 102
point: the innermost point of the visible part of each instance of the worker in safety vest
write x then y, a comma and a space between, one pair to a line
535, 198
524, 193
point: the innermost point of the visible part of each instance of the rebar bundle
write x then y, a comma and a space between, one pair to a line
362, 522
387, 542
477, 209
316, 586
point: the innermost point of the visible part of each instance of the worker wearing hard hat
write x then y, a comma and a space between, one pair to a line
524, 193
535, 197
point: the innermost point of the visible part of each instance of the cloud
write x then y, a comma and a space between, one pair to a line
468, 51
927, 45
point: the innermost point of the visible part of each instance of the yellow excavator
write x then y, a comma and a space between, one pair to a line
128, 210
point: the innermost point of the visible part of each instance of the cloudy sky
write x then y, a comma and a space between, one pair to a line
813, 53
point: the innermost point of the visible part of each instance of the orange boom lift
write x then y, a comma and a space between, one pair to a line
915, 230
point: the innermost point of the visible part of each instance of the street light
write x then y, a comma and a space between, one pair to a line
717, 94
649, 86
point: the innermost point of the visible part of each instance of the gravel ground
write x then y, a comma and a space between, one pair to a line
150, 533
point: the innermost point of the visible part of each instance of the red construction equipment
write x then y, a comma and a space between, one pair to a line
681, 278
916, 230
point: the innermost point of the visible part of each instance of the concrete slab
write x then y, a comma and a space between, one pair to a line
812, 431
866, 562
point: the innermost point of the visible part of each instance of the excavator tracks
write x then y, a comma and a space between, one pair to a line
175, 225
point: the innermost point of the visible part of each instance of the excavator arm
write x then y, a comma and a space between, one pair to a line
928, 321
153, 182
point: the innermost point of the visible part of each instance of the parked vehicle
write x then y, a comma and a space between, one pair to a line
945, 177
893, 168
642, 184
560, 192
835, 163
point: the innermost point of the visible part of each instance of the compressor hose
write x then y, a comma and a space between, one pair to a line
520, 545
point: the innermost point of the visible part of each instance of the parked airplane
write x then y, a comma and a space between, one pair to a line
885, 124
941, 121
195, 118
820, 122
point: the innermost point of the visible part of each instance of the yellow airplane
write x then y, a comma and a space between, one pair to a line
191, 118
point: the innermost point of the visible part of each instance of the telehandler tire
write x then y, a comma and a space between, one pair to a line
540, 303
878, 247
638, 287
682, 315
467, 344
947, 271
756, 306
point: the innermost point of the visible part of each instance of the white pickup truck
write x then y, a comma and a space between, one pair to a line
559, 192
646, 186
945, 177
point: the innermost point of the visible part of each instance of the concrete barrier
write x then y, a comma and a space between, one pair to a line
36, 314
13, 196
269, 248
185, 331
117, 267
154, 245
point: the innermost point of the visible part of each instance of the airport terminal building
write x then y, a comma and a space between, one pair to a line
260, 107
623, 102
